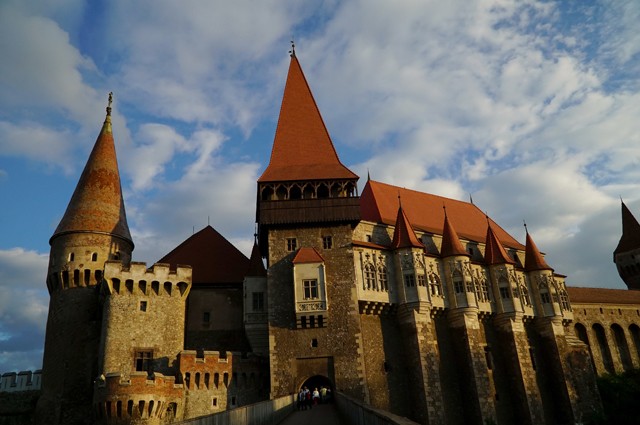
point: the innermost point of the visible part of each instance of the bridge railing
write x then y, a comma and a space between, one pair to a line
357, 413
268, 412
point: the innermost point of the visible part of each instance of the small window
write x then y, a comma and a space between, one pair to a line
116, 255
143, 360
94, 256
458, 286
312, 321
368, 238
546, 298
206, 317
504, 293
303, 322
314, 343
409, 280
310, 287
291, 244
258, 301
214, 402
320, 321
143, 306
233, 400
422, 280
71, 256
327, 242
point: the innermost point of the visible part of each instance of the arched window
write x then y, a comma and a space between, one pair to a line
603, 347
564, 300
434, 285
503, 287
369, 277
382, 278
524, 293
623, 347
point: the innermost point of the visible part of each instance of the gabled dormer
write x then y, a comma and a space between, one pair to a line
310, 289
305, 183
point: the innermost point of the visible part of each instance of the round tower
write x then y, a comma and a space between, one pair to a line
93, 230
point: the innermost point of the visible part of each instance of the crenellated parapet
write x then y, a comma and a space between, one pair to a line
136, 279
25, 380
214, 370
137, 398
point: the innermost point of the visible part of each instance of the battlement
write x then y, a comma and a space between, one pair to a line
135, 278
139, 396
25, 380
213, 369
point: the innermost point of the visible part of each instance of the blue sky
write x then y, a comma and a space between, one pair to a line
531, 107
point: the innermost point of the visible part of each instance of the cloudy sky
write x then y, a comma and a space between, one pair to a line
531, 107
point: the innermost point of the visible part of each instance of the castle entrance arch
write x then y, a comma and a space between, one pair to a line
317, 381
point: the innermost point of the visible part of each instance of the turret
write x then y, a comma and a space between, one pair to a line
408, 253
627, 253
93, 229
457, 267
548, 292
501, 269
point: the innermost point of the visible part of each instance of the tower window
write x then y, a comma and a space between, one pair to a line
504, 293
409, 280
422, 280
143, 359
258, 301
310, 287
94, 256
71, 256
291, 244
327, 242
546, 298
143, 306
314, 343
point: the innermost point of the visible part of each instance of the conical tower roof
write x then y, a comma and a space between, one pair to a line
97, 204
403, 234
630, 238
451, 244
302, 148
494, 251
533, 260
256, 266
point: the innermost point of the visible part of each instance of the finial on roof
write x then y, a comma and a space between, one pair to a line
399, 200
109, 103
368, 175
525, 227
470, 198
444, 208
292, 52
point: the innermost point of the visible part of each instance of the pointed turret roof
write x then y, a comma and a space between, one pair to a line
494, 251
213, 259
403, 234
256, 266
302, 148
533, 259
451, 244
630, 238
97, 204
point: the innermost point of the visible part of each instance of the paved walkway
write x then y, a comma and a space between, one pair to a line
322, 414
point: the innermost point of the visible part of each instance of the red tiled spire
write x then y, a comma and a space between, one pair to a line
256, 266
96, 204
494, 251
630, 238
302, 148
451, 244
403, 234
533, 260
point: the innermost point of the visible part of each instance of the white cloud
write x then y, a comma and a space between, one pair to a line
23, 308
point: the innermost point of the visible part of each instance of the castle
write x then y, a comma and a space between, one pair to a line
414, 303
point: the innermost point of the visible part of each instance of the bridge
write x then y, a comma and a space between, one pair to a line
343, 410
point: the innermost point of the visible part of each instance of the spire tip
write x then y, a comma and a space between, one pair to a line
292, 52
109, 103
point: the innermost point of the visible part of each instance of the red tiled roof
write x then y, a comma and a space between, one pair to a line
403, 234
97, 204
630, 238
602, 295
494, 252
533, 260
302, 148
213, 259
307, 255
379, 201
451, 244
